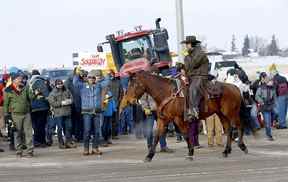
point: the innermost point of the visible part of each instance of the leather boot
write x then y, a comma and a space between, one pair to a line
167, 150
195, 112
62, 146
86, 152
70, 145
96, 151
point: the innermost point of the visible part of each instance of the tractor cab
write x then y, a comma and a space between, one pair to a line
139, 50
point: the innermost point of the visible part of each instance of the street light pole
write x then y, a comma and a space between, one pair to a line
180, 27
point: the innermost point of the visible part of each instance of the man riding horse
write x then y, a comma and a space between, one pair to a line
196, 68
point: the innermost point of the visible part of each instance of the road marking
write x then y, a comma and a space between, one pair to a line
276, 153
26, 164
159, 174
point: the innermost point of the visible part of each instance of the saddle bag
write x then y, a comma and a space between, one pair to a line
214, 90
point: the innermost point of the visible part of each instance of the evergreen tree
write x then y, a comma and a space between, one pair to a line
273, 49
246, 46
233, 44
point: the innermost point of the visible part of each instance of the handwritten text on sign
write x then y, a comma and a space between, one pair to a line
94, 60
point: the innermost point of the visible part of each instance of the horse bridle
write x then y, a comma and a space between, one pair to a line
138, 84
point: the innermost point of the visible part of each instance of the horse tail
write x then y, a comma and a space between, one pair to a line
245, 118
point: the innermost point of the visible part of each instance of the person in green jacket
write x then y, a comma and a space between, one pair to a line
17, 99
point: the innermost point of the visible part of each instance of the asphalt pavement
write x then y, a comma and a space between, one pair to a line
123, 162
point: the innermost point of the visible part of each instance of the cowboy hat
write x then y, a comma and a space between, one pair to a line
191, 40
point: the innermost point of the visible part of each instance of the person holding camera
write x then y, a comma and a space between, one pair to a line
60, 100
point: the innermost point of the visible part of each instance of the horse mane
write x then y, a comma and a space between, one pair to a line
167, 81
162, 87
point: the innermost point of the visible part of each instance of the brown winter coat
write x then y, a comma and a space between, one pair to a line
55, 99
196, 63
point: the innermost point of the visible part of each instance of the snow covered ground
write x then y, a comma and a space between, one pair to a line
252, 65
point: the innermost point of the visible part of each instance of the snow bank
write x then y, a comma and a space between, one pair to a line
252, 65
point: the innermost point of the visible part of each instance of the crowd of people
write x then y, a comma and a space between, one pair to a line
269, 99
84, 109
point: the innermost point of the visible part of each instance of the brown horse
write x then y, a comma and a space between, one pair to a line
227, 107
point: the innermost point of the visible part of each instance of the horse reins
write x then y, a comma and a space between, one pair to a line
167, 100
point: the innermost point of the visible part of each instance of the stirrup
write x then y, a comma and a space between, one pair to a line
195, 113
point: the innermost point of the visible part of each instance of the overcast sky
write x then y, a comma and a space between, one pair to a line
46, 32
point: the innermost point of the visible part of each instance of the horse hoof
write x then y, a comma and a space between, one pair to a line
246, 151
225, 154
229, 151
147, 159
190, 158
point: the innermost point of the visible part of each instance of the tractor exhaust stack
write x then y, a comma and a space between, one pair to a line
157, 22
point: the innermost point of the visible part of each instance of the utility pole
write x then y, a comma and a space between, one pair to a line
180, 27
